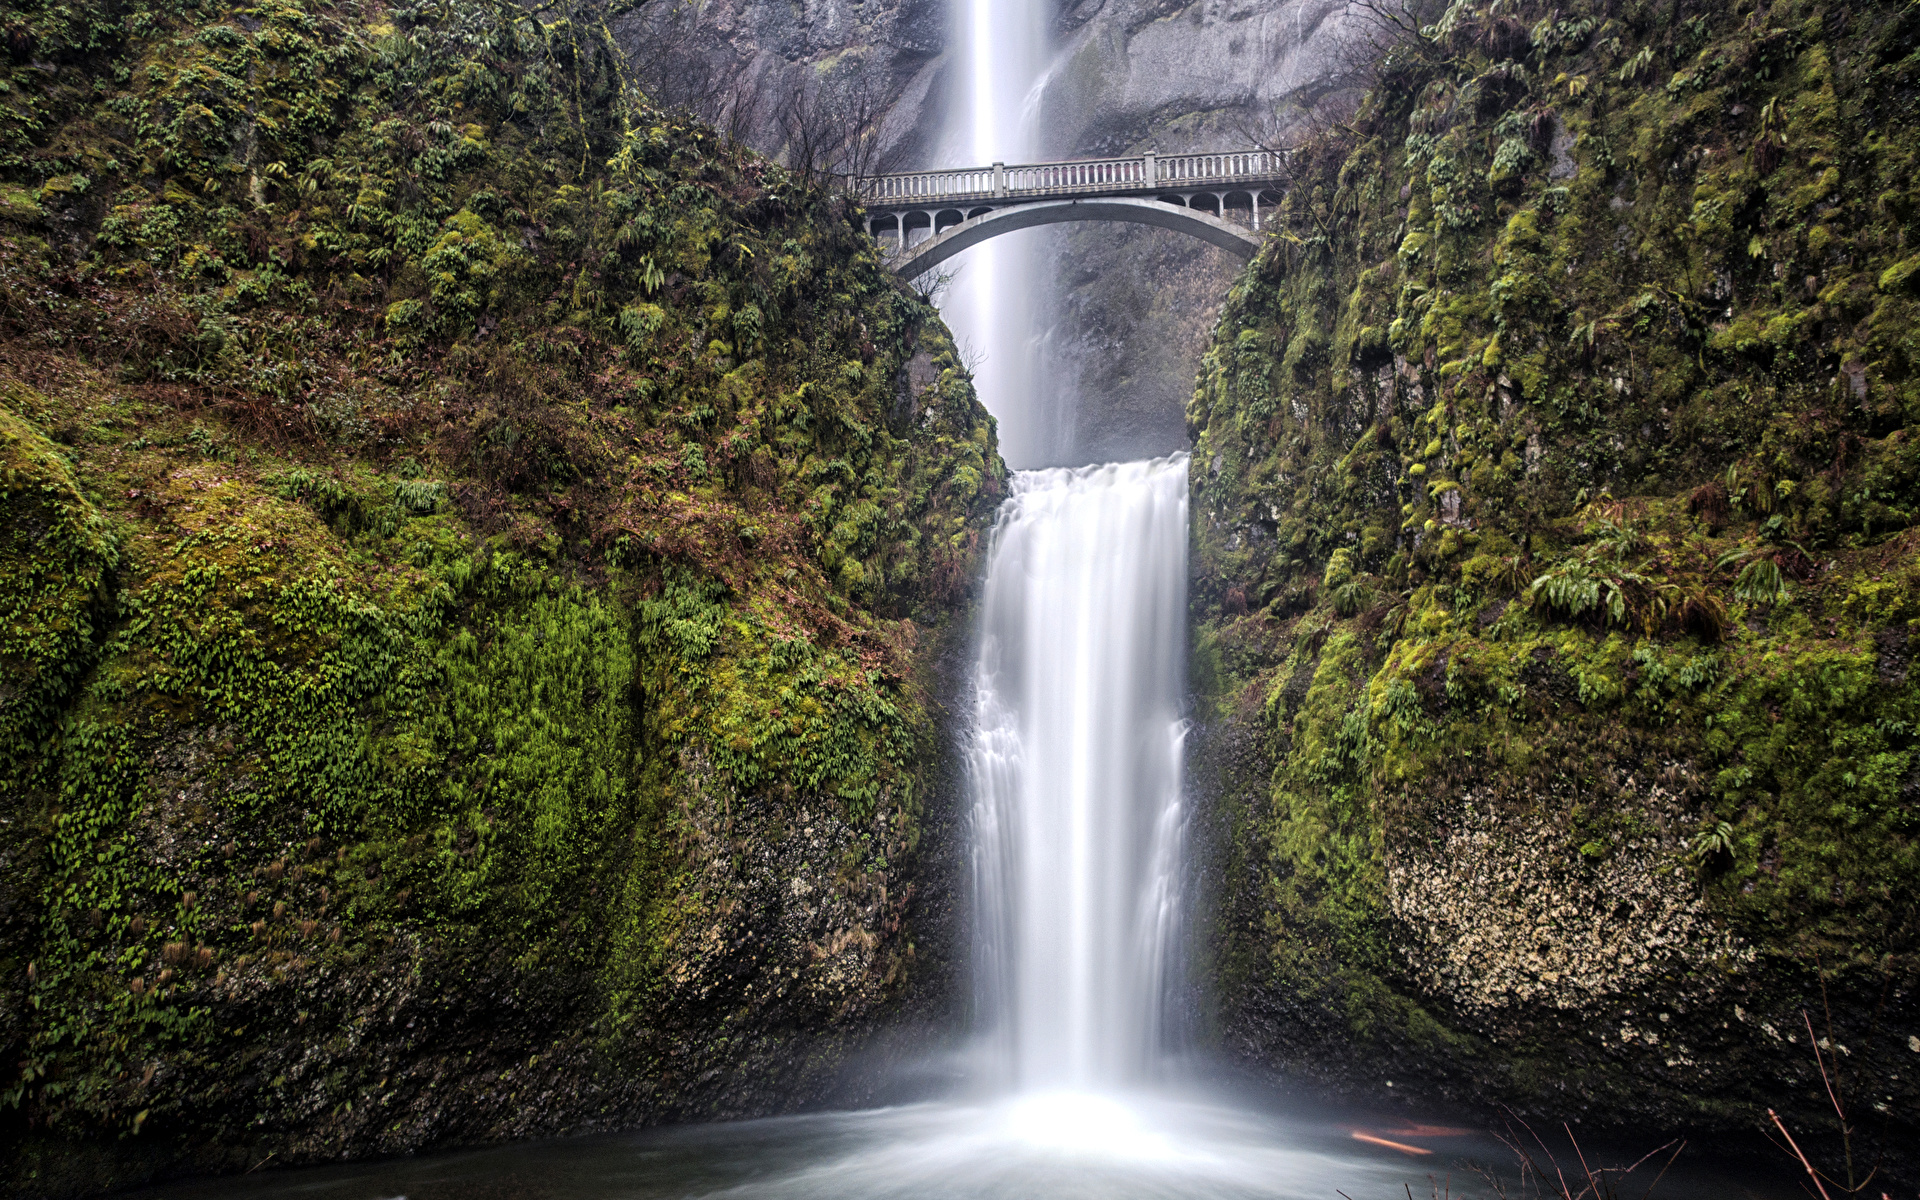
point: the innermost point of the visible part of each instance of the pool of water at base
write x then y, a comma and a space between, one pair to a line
1058, 1146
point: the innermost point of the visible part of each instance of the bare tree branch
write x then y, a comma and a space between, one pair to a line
833, 129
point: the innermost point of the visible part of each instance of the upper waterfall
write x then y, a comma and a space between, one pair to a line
1005, 47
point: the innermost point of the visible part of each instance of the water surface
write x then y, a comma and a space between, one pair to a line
1061, 1146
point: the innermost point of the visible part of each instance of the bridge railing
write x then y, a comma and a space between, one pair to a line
1045, 179
1222, 168
1091, 176
927, 185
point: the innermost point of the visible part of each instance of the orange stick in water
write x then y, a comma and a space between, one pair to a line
1402, 1147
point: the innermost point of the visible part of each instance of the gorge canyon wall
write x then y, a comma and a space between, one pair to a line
1556, 580
482, 565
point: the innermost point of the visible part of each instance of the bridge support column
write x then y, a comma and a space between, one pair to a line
1256, 208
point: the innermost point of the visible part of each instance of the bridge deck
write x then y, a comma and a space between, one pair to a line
1149, 174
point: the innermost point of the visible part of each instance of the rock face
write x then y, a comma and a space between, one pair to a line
1129, 72
1129, 308
1134, 306
1496, 919
1133, 309
743, 63
1556, 575
480, 564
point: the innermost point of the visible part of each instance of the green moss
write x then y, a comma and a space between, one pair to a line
58, 553
473, 484
1576, 532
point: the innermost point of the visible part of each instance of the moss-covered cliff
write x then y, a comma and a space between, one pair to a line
1555, 492
476, 555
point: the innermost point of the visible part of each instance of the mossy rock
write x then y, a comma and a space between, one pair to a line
479, 564
1571, 624
58, 553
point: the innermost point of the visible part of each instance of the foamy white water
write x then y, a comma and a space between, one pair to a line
1061, 1146
1075, 770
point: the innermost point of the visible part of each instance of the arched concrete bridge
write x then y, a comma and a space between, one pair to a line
1196, 194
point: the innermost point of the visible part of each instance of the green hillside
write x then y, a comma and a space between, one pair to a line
475, 550
1555, 490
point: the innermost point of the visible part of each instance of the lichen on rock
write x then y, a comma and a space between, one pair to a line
1555, 561
1499, 916
460, 525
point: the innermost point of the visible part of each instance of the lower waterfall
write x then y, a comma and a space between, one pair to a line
1076, 768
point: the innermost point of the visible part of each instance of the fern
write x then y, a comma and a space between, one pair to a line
1576, 587
1713, 840
1761, 580
1352, 597
1636, 65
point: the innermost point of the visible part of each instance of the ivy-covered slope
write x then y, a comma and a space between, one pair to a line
1555, 488
474, 555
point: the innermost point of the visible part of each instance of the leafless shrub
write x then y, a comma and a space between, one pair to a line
1329, 102
678, 67
739, 112
1386, 31
1543, 1176
832, 128
1270, 127
935, 284
1830, 1078
971, 357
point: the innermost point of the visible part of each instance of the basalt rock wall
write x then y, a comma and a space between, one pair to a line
1556, 580
481, 560
764, 71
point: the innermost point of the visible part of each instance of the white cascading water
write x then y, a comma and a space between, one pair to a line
1003, 50
1076, 771
1076, 753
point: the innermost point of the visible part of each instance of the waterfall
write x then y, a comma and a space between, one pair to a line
1076, 770
1003, 49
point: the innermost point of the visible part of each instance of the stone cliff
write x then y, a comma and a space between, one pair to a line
1557, 578
745, 63
481, 557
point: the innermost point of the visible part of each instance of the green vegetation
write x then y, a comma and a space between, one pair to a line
437, 483
1555, 488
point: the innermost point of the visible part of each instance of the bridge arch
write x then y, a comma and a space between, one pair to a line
917, 260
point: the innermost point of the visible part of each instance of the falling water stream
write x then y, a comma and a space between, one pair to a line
1002, 50
1076, 771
